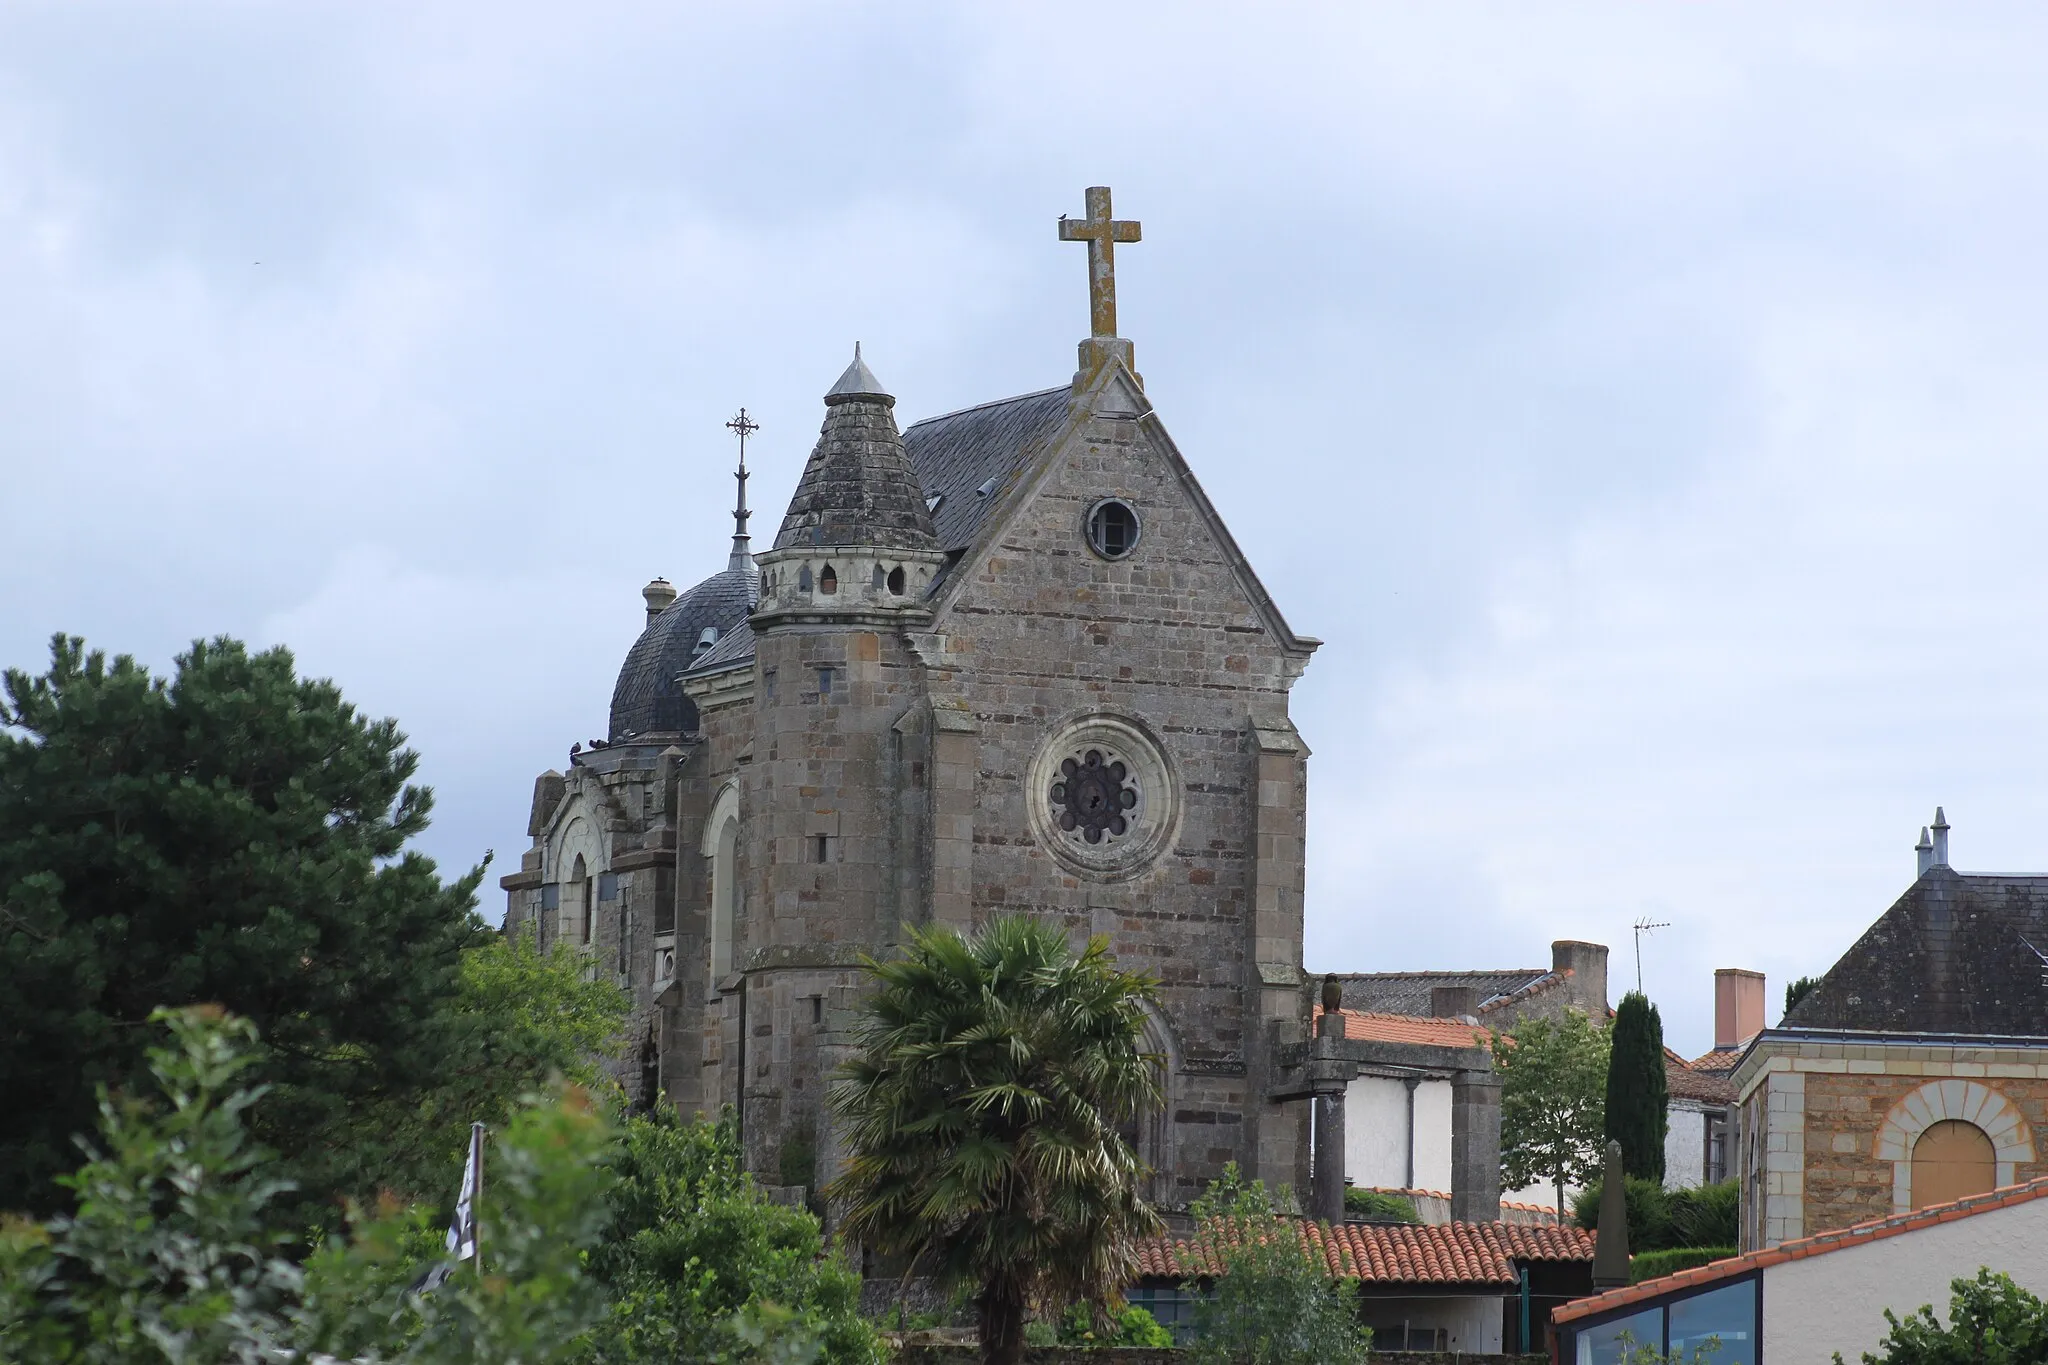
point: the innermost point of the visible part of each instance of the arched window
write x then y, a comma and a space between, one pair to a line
572, 900
721, 845
1952, 1160
582, 892
828, 581
896, 580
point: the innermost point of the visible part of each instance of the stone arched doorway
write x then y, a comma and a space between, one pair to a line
1970, 1104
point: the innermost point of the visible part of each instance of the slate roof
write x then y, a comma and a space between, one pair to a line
957, 454
1408, 992
857, 488
1956, 954
647, 698
1387, 1253
1861, 1234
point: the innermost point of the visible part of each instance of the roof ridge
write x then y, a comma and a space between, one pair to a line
991, 403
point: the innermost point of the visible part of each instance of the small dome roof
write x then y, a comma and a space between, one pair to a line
647, 699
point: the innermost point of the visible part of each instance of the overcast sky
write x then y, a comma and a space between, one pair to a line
1645, 403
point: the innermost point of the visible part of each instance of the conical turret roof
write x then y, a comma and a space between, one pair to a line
858, 488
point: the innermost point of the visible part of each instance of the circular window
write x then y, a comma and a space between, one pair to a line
1102, 796
1112, 528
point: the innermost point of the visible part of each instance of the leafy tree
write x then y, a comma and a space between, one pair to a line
1637, 1095
1797, 991
1992, 1321
235, 834
174, 1253
983, 1106
520, 1022
694, 1257
1553, 1074
1272, 1301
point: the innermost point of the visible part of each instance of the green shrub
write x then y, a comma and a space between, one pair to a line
1131, 1326
1649, 1213
1671, 1260
1706, 1215
1376, 1207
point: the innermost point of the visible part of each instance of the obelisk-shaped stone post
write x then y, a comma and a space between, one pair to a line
1610, 1253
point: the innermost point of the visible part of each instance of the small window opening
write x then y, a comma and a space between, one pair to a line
896, 580
803, 579
768, 683
817, 1009
878, 576
589, 887
705, 639
932, 501
824, 682
828, 582
1113, 529
821, 848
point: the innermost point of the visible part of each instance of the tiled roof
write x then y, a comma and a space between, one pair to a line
1408, 992
1862, 1234
1410, 1028
1683, 1081
1389, 1253
1544, 1211
1721, 1059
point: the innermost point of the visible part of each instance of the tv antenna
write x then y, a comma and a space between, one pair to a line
1645, 925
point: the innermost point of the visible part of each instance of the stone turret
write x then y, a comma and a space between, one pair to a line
857, 542
842, 590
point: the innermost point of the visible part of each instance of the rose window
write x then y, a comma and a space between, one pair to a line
1092, 796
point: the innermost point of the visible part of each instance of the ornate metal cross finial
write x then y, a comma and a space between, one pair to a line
1101, 231
741, 426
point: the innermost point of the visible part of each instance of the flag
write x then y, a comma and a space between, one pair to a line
462, 1227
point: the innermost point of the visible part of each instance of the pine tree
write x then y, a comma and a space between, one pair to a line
234, 835
1636, 1092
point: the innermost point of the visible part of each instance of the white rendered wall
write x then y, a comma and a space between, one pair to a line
1376, 1134
1685, 1145
1473, 1322
1835, 1302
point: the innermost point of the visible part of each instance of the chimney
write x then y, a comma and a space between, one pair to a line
1940, 828
1738, 1006
1587, 962
1453, 1002
1925, 851
658, 594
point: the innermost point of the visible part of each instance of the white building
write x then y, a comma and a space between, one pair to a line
1802, 1302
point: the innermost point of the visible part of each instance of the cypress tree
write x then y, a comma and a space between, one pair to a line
1636, 1092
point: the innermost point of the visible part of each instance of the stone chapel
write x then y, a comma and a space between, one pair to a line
1003, 660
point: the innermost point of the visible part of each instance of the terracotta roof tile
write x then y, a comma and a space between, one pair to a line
1388, 1253
1412, 1028
1861, 1234
1682, 1081
1721, 1059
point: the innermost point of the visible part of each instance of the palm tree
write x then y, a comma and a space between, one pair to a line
983, 1113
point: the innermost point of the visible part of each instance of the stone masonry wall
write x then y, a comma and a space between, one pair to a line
1046, 631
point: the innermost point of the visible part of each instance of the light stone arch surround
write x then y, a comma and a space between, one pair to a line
1965, 1101
1155, 1130
576, 834
720, 844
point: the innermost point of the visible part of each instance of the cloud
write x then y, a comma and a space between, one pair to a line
1641, 402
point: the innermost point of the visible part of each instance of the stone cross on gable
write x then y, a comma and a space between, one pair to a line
1101, 232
